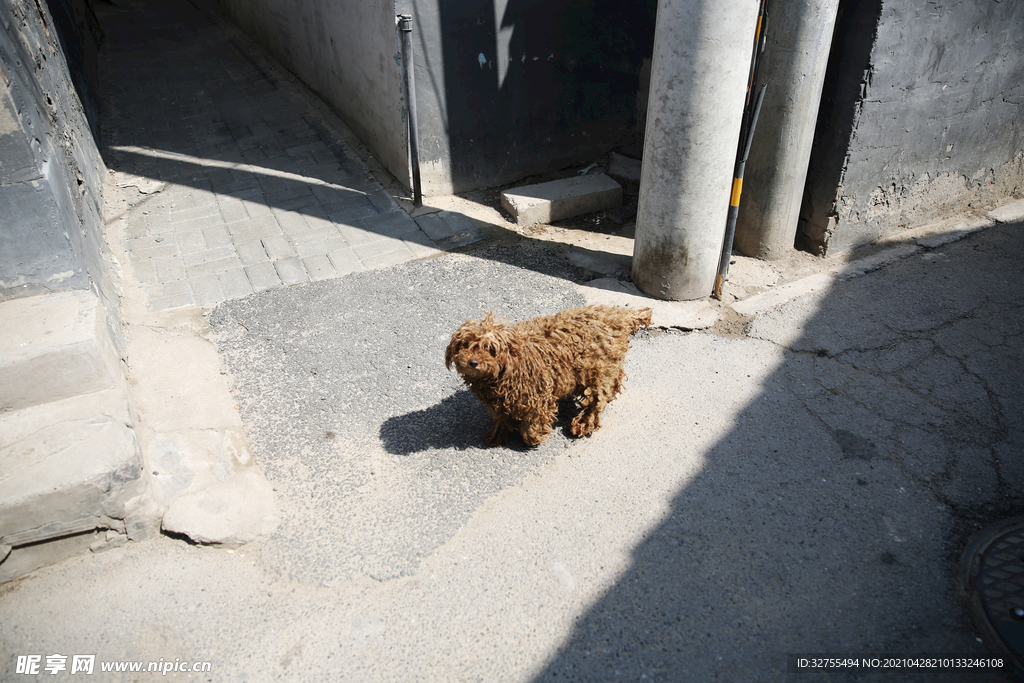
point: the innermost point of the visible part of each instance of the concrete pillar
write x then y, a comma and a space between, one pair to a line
793, 65
699, 74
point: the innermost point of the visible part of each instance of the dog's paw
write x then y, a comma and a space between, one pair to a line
584, 425
536, 434
496, 436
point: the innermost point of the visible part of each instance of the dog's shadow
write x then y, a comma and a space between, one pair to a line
458, 422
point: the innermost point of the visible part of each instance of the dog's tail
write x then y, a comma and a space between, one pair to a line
641, 319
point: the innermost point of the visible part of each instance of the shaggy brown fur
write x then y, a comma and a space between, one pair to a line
521, 371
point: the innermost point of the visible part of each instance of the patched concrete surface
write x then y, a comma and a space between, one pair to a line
365, 362
197, 461
230, 512
683, 315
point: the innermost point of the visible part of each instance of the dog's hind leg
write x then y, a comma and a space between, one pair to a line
588, 419
593, 401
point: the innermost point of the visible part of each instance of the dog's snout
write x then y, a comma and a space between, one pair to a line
473, 363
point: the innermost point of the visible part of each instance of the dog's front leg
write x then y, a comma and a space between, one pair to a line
536, 427
497, 434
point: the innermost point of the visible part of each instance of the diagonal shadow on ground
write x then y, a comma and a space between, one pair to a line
882, 429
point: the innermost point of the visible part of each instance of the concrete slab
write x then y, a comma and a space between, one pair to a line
231, 512
785, 293
27, 559
53, 346
1010, 213
942, 232
561, 199
876, 261
449, 229
956, 233
193, 442
624, 169
683, 315
69, 456
603, 264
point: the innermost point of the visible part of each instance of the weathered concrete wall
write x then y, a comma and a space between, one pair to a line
922, 116
509, 88
51, 173
345, 50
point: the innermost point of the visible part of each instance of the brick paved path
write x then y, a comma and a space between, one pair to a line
249, 184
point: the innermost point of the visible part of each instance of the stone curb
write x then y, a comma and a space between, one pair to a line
683, 315
912, 242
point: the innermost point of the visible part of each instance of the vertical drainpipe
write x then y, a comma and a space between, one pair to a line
698, 88
405, 27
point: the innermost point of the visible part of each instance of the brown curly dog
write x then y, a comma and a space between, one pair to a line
521, 371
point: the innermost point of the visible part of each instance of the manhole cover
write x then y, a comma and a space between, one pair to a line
994, 580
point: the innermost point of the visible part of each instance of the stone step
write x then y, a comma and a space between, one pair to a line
624, 169
54, 346
561, 199
70, 461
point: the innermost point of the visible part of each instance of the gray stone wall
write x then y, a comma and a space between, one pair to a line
51, 173
922, 118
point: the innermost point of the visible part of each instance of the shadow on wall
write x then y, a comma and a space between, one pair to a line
531, 86
832, 515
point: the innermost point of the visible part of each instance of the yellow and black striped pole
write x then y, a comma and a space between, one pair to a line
741, 160
734, 200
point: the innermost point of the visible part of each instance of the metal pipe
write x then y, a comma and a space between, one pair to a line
734, 202
747, 136
409, 83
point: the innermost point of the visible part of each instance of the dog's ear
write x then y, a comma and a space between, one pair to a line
449, 354
453, 347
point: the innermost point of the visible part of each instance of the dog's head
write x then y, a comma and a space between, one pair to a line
479, 349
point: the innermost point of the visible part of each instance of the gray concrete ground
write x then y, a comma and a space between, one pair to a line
801, 479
